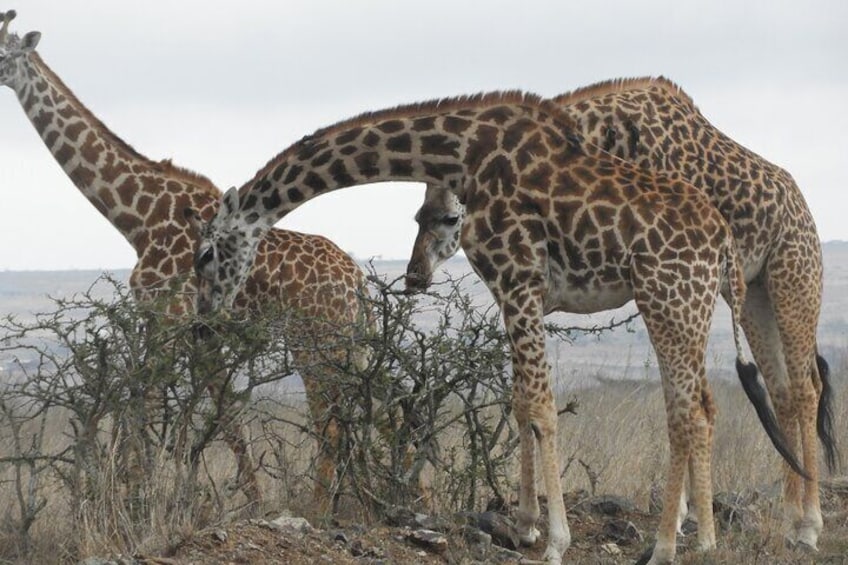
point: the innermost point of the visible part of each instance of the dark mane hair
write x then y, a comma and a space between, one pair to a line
624, 85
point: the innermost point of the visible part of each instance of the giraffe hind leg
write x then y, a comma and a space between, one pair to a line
679, 338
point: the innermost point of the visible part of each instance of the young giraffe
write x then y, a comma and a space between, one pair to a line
145, 200
548, 227
652, 123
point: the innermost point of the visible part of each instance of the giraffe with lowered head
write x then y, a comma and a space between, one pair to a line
548, 227
654, 124
144, 200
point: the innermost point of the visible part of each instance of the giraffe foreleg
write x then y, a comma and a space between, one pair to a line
321, 412
533, 396
528, 501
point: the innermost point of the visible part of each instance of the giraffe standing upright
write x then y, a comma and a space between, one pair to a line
548, 227
144, 200
652, 123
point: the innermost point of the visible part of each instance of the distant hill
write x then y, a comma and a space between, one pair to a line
621, 354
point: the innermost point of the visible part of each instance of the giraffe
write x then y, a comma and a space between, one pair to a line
548, 227
654, 124
144, 201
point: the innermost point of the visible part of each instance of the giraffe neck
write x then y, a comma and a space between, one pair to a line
445, 142
124, 186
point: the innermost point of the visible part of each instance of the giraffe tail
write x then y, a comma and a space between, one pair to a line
824, 420
747, 371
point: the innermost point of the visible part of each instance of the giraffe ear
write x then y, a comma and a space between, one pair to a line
231, 201
30, 40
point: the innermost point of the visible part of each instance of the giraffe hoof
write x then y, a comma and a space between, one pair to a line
806, 547
530, 537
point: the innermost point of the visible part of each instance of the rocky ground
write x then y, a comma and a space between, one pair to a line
605, 530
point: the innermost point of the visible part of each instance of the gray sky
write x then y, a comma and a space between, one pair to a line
222, 87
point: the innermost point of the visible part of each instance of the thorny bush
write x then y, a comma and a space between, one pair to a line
105, 394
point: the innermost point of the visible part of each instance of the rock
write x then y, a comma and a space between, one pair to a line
220, 535
429, 539
502, 529
431, 522
475, 536
503, 555
611, 549
300, 525
621, 532
733, 510
401, 517
609, 505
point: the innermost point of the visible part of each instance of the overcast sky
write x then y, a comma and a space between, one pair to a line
222, 87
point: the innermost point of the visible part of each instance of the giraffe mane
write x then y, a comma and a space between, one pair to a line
613, 86
450, 104
164, 167
442, 104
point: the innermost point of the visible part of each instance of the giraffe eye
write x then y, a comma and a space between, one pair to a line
204, 257
450, 220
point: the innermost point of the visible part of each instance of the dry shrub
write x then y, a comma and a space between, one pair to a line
111, 438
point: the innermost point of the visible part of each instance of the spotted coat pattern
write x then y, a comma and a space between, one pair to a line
145, 201
652, 123
548, 227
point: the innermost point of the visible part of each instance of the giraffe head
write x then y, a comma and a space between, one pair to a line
439, 227
12, 49
224, 255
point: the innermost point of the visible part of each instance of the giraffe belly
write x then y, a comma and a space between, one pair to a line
594, 297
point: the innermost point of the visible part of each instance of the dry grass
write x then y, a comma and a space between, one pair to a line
615, 444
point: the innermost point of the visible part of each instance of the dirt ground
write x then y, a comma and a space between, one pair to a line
605, 530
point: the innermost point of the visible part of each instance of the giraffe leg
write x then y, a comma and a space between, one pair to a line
528, 501
760, 325
690, 448
797, 325
229, 422
234, 438
680, 339
326, 429
532, 395
775, 346
685, 498
700, 468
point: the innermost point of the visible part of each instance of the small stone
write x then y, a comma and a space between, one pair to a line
431, 522
400, 516
429, 539
611, 549
356, 548
610, 505
501, 528
300, 525
220, 535
621, 532
475, 536
503, 555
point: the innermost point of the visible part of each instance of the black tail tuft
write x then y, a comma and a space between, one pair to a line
824, 421
758, 396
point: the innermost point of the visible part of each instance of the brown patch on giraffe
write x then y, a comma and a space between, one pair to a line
83, 175
91, 147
